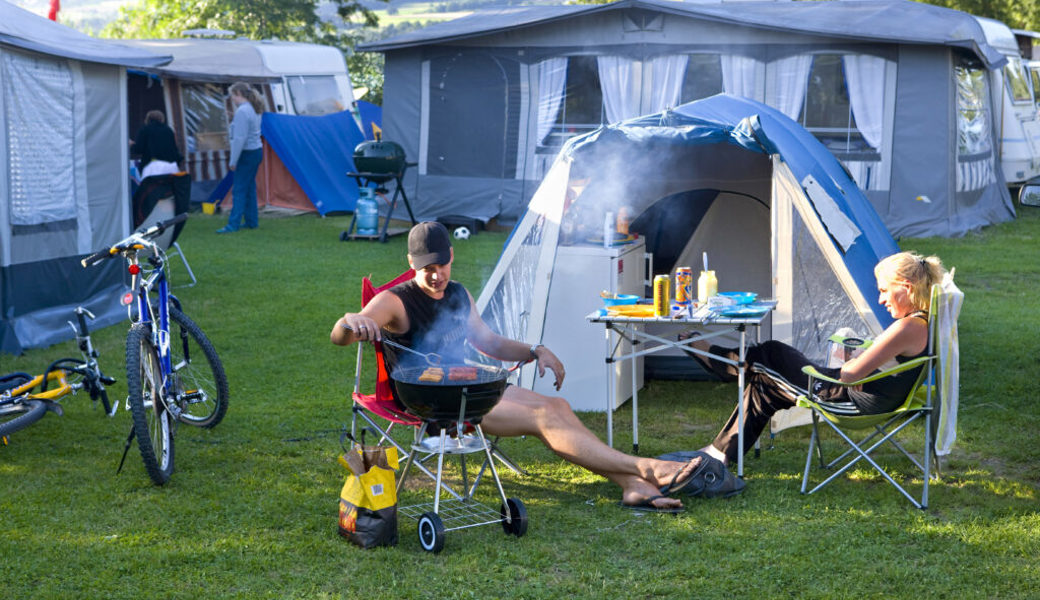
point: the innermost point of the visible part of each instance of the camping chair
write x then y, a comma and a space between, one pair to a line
162, 197
933, 398
384, 405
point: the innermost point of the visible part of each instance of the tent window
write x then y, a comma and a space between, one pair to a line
40, 128
973, 118
473, 92
703, 77
205, 116
582, 109
1017, 82
827, 112
315, 95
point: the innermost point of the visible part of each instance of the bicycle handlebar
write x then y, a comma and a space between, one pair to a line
152, 232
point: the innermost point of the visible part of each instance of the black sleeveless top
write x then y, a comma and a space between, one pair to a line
433, 325
887, 394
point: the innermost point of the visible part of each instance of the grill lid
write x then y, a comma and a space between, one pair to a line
386, 158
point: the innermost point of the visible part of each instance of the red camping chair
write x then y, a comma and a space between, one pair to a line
382, 403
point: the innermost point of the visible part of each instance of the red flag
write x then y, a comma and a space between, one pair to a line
55, 7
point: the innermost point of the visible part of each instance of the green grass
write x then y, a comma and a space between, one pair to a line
251, 509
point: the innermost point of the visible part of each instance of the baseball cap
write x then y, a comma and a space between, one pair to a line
429, 244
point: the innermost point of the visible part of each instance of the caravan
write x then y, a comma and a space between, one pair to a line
1015, 105
294, 78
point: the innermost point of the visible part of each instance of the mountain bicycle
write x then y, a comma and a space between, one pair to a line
25, 399
173, 372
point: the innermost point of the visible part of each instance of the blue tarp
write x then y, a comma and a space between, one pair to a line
319, 152
760, 128
371, 114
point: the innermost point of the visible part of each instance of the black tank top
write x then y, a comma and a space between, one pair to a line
887, 394
434, 325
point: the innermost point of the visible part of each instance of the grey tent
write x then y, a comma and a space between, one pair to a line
64, 191
896, 90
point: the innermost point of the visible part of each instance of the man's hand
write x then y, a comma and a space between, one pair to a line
547, 360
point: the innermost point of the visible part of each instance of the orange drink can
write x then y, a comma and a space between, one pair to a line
683, 285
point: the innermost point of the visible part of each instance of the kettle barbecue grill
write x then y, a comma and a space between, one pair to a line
378, 162
444, 406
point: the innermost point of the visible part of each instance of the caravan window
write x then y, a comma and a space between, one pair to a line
1017, 84
1034, 74
582, 108
315, 95
703, 78
827, 111
205, 116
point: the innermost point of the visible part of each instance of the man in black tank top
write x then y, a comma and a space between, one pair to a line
431, 313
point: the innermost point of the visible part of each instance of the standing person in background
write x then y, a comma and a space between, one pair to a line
156, 144
246, 154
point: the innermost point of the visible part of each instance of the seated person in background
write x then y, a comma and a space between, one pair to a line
433, 313
156, 144
904, 282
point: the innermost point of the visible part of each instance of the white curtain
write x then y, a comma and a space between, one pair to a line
787, 81
552, 76
667, 74
621, 85
738, 75
865, 79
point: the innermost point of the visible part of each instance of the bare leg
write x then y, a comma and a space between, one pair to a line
550, 419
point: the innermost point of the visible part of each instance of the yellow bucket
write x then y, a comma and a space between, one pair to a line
209, 208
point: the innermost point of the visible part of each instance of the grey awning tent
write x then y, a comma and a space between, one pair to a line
65, 189
473, 101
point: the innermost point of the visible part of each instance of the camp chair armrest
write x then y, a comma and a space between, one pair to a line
812, 372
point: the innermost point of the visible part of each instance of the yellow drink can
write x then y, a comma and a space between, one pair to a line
662, 304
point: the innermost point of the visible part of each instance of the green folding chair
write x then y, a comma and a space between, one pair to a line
922, 403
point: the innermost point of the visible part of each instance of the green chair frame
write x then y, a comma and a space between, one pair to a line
920, 403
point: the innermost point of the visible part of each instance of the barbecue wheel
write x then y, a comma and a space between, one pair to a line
517, 525
431, 532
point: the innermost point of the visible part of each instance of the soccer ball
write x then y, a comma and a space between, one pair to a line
461, 233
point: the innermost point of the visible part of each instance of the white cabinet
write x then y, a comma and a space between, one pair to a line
581, 272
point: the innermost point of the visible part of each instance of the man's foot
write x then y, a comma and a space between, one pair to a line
226, 229
657, 504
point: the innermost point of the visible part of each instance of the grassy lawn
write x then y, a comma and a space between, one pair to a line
251, 510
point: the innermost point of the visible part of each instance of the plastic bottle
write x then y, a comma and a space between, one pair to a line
707, 286
609, 226
624, 219
367, 212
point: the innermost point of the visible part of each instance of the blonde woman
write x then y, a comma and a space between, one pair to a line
904, 283
246, 154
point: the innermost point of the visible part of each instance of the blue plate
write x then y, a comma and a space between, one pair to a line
743, 312
620, 299
740, 297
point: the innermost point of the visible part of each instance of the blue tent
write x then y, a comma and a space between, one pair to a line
318, 152
727, 176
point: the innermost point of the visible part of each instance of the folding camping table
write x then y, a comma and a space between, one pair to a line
643, 343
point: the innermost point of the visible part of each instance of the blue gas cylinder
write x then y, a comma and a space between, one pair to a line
367, 212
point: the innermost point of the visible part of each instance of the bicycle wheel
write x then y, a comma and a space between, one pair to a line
18, 415
199, 377
153, 423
